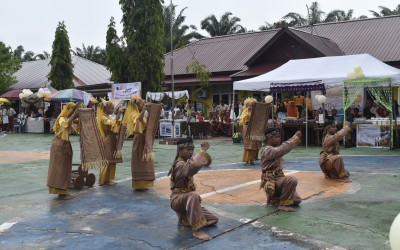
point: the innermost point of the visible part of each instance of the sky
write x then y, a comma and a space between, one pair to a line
32, 23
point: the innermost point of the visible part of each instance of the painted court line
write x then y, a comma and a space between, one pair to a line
224, 190
6, 225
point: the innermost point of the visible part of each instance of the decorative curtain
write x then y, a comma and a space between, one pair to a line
383, 95
294, 87
380, 89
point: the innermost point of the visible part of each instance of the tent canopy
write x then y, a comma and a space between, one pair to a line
331, 70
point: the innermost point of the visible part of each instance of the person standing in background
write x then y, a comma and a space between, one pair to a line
299, 101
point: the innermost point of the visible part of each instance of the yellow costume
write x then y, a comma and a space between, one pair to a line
60, 164
109, 128
142, 166
250, 152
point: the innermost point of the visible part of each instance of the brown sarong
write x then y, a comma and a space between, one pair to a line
93, 152
60, 165
258, 121
151, 130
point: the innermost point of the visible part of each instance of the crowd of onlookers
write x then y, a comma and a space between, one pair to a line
7, 115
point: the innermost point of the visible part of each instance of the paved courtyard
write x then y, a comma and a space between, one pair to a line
333, 214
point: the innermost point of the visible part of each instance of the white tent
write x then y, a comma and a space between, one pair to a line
330, 70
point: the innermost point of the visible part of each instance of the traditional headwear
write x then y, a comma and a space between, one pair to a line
270, 132
67, 110
185, 143
327, 126
245, 111
100, 113
131, 110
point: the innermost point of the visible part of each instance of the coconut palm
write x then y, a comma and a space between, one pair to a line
95, 54
43, 56
276, 25
28, 56
225, 26
180, 32
385, 11
339, 15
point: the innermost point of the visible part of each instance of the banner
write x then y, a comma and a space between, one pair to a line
124, 91
334, 99
373, 136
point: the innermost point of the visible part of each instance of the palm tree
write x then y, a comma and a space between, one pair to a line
180, 34
28, 56
316, 15
43, 56
385, 11
276, 25
339, 15
225, 26
95, 54
295, 18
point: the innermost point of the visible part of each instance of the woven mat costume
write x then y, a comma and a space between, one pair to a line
257, 122
142, 161
60, 164
93, 153
253, 122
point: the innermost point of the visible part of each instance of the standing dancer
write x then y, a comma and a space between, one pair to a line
142, 164
109, 128
250, 152
280, 189
184, 200
60, 165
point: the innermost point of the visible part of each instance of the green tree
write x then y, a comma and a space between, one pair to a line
28, 56
9, 64
143, 28
61, 72
116, 57
19, 51
180, 32
225, 26
43, 56
385, 11
94, 54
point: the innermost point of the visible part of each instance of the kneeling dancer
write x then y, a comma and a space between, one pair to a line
184, 200
331, 161
280, 189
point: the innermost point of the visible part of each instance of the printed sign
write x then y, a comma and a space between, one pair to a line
373, 136
124, 91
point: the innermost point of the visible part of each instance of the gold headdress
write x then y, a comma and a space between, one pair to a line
100, 112
131, 111
66, 111
245, 110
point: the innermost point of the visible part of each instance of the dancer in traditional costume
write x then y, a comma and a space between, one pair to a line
142, 165
251, 147
184, 200
280, 189
331, 161
60, 165
109, 128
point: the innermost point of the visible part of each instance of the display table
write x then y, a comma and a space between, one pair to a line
289, 128
165, 128
34, 125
